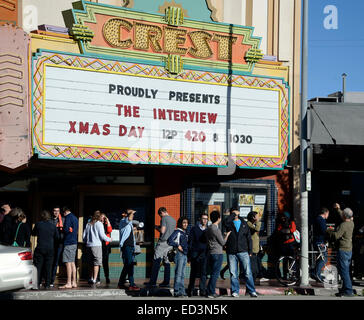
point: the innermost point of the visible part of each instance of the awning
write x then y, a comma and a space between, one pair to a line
336, 123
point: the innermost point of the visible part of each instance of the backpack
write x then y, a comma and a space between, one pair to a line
172, 253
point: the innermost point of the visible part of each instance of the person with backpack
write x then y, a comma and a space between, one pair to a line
166, 228
179, 240
285, 232
285, 239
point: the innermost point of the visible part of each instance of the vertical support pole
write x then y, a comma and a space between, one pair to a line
303, 149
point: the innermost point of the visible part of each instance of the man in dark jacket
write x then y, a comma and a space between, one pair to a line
58, 221
198, 255
239, 250
319, 239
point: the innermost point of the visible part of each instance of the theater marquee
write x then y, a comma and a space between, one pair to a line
128, 110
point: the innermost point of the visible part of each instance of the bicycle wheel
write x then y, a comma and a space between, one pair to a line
329, 276
287, 271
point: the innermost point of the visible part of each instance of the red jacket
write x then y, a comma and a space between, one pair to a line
292, 228
108, 230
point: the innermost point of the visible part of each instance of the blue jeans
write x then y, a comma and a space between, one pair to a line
128, 269
244, 259
215, 262
179, 277
343, 266
320, 263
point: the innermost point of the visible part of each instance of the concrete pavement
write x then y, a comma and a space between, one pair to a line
110, 291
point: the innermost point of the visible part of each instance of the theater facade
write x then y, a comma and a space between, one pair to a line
149, 104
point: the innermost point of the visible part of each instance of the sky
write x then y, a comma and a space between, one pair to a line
335, 46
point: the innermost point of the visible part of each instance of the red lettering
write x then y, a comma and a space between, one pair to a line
136, 112
72, 127
176, 115
95, 129
203, 117
184, 116
122, 130
170, 113
191, 115
119, 106
212, 117
162, 114
106, 129
83, 127
140, 131
132, 132
127, 111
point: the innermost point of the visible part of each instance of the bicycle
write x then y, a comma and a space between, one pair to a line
288, 269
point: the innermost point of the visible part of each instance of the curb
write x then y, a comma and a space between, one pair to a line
62, 294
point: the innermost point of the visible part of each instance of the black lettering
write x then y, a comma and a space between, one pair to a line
217, 99
185, 96
192, 97
205, 98
127, 91
112, 88
172, 94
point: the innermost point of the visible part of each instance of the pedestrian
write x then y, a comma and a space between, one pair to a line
168, 224
254, 225
7, 225
198, 255
239, 250
22, 230
70, 229
319, 241
58, 221
285, 229
343, 236
179, 240
215, 242
106, 249
127, 248
93, 235
47, 235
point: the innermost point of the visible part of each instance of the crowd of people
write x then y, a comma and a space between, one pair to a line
202, 247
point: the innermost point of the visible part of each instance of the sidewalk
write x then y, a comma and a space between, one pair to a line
111, 292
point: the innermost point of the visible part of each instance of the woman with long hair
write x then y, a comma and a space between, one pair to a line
179, 240
93, 236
